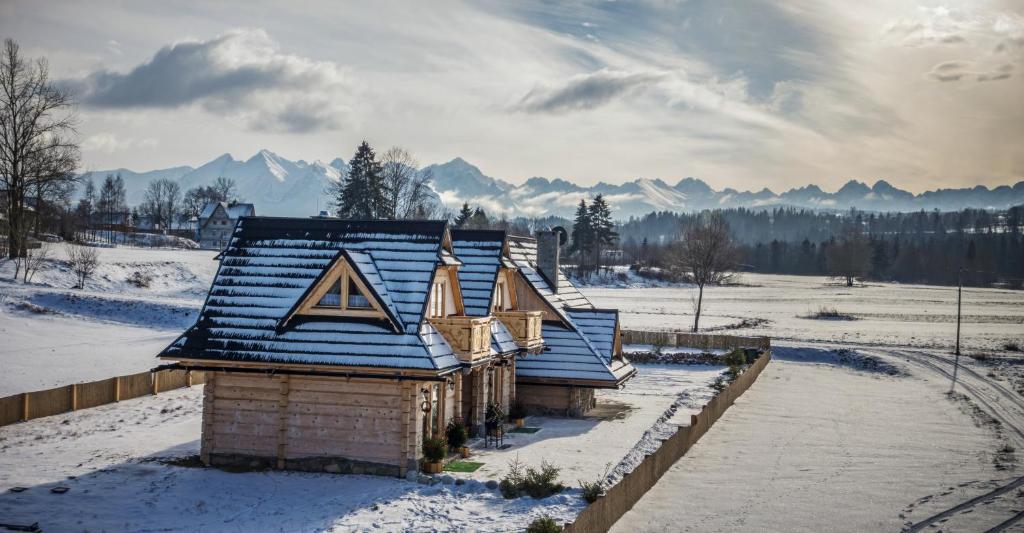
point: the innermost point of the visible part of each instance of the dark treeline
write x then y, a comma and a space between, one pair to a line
921, 247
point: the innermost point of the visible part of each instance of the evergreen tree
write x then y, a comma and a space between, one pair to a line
464, 215
363, 193
582, 232
479, 220
601, 223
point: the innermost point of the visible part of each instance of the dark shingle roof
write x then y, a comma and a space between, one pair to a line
480, 252
271, 263
523, 251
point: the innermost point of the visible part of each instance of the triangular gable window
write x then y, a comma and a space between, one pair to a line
341, 292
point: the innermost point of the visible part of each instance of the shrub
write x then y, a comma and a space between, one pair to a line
592, 490
735, 358
435, 450
543, 482
1012, 346
140, 279
544, 524
511, 485
536, 483
457, 434
518, 410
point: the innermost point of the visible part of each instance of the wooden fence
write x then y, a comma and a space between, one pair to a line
706, 341
30, 405
603, 513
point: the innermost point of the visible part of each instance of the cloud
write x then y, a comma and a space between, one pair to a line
238, 74
586, 91
111, 143
960, 70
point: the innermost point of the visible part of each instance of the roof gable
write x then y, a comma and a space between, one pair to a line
273, 263
481, 253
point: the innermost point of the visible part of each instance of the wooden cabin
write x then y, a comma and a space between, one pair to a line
582, 344
332, 345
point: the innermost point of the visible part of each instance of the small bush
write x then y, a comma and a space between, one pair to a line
735, 358
1012, 346
828, 313
592, 490
457, 434
140, 279
435, 450
544, 524
533, 482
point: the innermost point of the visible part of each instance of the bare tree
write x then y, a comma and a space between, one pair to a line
407, 189
162, 202
84, 260
849, 257
225, 189
706, 255
37, 138
34, 260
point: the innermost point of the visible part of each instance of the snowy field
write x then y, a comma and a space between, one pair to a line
54, 335
118, 462
882, 313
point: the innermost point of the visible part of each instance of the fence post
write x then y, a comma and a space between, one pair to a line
117, 389
74, 396
188, 378
156, 382
24, 406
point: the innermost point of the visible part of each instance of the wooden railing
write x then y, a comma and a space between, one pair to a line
470, 337
524, 327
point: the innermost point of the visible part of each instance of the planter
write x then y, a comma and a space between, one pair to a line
464, 452
519, 422
433, 468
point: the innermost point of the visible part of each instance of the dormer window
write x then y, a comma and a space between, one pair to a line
352, 295
438, 299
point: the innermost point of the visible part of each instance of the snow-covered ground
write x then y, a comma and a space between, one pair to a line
117, 460
816, 446
884, 313
55, 335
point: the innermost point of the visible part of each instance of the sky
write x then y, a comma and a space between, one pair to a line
745, 94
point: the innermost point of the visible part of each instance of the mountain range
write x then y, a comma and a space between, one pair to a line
278, 186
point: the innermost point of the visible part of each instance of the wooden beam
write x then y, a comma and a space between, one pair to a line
282, 420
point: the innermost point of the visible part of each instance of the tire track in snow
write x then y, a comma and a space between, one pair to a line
980, 388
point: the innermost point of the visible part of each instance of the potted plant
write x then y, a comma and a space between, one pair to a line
495, 415
458, 434
434, 452
517, 414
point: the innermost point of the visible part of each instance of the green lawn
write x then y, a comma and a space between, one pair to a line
462, 466
525, 430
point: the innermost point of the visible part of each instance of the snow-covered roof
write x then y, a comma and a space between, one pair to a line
581, 348
598, 326
502, 341
481, 254
568, 355
234, 210
271, 264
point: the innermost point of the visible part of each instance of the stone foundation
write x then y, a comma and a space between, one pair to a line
331, 465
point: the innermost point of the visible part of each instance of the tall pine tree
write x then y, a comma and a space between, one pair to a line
582, 232
363, 194
464, 215
601, 223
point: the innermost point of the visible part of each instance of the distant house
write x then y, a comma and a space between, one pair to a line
217, 222
340, 345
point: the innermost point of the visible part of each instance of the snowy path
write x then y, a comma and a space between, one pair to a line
872, 453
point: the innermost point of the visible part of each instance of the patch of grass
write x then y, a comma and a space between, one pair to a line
462, 466
828, 313
1012, 346
525, 429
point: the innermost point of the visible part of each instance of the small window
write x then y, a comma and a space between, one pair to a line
499, 296
437, 297
356, 300
332, 298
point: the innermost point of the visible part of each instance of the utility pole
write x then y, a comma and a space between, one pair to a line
959, 299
